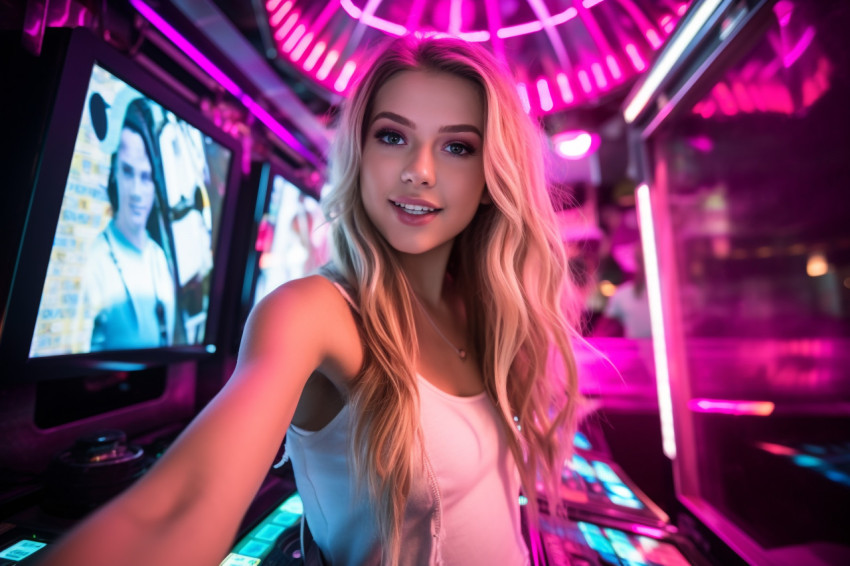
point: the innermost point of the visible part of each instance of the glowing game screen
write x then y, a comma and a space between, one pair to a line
133, 253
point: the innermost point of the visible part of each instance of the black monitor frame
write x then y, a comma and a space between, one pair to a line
80, 52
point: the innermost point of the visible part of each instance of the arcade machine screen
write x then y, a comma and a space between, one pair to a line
291, 237
122, 249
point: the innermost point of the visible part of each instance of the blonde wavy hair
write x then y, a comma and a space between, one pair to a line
511, 270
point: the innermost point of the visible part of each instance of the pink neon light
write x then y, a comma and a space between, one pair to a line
352, 10
302, 46
190, 50
564, 86
667, 23
724, 99
455, 16
523, 96
682, 8
646, 225
475, 36
584, 79
313, 58
745, 103
287, 25
521, 29
805, 40
726, 407
653, 39
345, 76
293, 39
546, 103
575, 144
278, 16
327, 65
614, 67
599, 75
777, 449
224, 80
272, 5
634, 56
564, 16
370, 20
590, 3
647, 531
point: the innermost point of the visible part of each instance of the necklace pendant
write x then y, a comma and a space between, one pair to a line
462, 353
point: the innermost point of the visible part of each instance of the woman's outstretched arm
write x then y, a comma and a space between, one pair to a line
187, 508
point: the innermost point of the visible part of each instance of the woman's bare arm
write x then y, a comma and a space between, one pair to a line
187, 508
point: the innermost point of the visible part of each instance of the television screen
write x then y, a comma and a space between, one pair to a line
126, 238
291, 237
134, 243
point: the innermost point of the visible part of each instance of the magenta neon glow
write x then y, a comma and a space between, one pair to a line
275, 19
521, 29
313, 58
523, 96
584, 81
656, 317
286, 27
590, 3
634, 56
653, 39
599, 75
799, 48
730, 407
182, 43
575, 144
614, 67
455, 16
302, 46
546, 103
293, 39
330, 60
272, 5
564, 86
651, 532
190, 50
345, 76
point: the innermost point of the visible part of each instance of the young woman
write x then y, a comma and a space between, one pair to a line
424, 377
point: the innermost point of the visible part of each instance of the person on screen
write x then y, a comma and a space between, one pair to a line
423, 379
129, 293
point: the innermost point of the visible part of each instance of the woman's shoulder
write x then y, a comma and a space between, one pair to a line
315, 293
312, 306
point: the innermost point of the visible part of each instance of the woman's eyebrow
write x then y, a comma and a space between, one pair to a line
456, 128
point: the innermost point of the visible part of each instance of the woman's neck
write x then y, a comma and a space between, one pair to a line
426, 273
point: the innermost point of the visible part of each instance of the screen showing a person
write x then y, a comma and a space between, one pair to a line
292, 237
134, 247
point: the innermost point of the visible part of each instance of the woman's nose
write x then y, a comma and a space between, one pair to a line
420, 168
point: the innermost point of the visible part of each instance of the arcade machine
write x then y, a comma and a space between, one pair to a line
740, 130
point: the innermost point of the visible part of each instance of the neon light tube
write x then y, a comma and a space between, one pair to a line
668, 57
656, 318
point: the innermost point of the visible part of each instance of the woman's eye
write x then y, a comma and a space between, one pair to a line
389, 137
457, 148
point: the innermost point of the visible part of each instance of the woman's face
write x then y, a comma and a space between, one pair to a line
422, 176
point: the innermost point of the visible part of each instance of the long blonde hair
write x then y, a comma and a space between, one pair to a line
508, 263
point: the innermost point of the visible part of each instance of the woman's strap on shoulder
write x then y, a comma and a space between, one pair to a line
346, 295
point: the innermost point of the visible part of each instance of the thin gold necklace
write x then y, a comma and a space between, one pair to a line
460, 351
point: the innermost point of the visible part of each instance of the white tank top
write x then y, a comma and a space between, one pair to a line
463, 508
